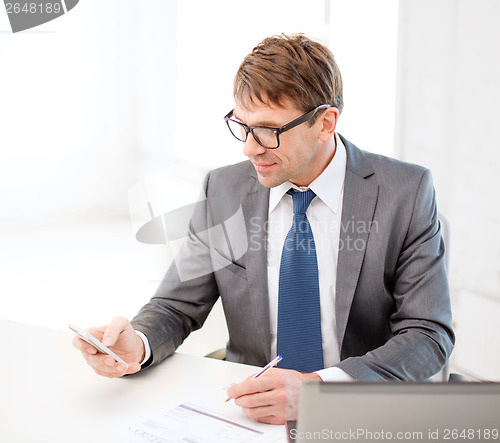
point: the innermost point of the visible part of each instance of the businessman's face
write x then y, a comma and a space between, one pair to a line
301, 156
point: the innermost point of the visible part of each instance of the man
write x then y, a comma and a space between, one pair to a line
323, 253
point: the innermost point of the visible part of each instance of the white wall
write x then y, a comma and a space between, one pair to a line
65, 115
363, 37
447, 120
101, 102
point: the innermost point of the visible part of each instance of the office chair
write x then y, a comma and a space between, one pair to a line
444, 375
219, 354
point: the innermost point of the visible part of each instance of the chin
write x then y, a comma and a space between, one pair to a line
269, 182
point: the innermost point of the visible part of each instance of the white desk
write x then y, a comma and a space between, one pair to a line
49, 394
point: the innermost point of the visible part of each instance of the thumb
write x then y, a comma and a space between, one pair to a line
113, 331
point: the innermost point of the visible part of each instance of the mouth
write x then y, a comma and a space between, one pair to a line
260, 167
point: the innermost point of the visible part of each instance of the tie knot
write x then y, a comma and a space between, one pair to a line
301, 200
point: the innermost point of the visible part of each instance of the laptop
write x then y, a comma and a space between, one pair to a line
423, 412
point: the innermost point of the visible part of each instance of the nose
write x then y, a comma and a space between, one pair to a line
251, 148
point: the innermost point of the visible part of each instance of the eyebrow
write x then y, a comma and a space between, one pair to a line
268, 124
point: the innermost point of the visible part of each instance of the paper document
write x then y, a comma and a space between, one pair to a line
206, 417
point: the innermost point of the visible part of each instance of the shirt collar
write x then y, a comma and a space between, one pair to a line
327, 186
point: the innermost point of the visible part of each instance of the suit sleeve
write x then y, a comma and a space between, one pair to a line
422, 337
185, 296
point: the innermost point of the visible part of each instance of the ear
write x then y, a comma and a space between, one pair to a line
327, 123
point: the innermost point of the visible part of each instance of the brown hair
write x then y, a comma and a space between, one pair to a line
291, 67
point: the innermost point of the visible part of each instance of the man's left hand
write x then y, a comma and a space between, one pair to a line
272, 398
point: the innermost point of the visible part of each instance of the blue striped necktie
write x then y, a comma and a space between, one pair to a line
299, 316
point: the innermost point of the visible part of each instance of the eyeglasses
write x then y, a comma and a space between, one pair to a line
264, 136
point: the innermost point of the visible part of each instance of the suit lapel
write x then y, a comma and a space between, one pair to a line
359, 202
255, 207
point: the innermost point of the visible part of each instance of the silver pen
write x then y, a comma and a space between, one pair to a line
266, 368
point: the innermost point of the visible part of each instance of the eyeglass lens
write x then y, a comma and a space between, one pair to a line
264, 136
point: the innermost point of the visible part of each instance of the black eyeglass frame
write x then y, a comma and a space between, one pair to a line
277, 131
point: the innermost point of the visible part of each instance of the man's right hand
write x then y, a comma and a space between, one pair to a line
122, 339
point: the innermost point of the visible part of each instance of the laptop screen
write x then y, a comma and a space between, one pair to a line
423, 412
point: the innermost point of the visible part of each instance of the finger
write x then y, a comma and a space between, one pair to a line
107, 374
106, 366
252, 386
133, 368
246, 387
258, 399
261, 413
118, 370
97, 332
272, 420
83, 346
113, 331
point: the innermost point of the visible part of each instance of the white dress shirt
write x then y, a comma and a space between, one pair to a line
324, 215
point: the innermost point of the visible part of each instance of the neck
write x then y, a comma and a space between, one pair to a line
325, 156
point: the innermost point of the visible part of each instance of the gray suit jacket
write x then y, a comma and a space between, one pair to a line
392, 298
